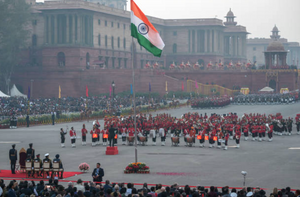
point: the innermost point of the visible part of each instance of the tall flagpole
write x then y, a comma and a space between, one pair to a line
134, 112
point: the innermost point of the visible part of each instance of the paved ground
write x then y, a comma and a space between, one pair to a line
269, 164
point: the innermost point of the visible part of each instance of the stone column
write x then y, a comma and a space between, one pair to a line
92, 31
58, 24
79, 28
205, 41
74, 28
45, 29
55, 29
210, 40
213, 40
233, 45
82, 29
196, 41
67, 28
237, 45
238, 48
49, 29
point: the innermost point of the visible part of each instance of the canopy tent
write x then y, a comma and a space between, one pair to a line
267, 89
245, 91
284, 91
3, 95
15, 92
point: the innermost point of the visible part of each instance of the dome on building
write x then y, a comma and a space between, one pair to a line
275, 46
275, 28
230, 13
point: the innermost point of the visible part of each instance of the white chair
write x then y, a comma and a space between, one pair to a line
46, 166
28, 167
57, 169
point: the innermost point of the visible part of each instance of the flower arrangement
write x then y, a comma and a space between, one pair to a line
84, 167
137, 167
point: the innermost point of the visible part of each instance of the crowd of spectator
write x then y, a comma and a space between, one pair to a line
84, 189
19, 106
266, 98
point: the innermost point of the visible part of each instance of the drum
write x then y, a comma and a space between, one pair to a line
130, 138
142, 138
175, 139
189, 140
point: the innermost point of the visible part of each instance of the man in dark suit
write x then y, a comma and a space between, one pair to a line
98, 173
13, 156
111, 135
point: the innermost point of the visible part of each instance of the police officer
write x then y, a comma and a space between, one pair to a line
13, 158
57, 160
30, 151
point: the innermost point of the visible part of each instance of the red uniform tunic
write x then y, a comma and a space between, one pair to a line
83, 132
94, 133
105, 133
131, 132
192, 133
238, 135
124, 131
246, 128
227, 136
271, 129
72, 134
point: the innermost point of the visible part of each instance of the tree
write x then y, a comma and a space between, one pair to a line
14, 32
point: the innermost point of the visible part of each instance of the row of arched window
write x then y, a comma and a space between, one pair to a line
112, 41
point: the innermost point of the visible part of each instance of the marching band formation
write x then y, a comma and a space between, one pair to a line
211, 102
215, 130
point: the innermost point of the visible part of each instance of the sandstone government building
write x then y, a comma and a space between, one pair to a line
79, 43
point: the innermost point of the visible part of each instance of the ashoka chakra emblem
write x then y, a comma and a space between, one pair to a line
143, 28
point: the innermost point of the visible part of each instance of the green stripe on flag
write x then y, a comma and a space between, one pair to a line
145, 42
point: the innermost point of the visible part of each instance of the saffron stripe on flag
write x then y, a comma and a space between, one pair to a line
138, 13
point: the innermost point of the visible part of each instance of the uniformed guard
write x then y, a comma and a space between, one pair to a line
57, 160
62, 137
83, 134
47, 160
30, 152
73, 137
13, 158
298, 124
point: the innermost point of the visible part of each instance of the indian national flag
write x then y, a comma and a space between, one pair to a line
145, 32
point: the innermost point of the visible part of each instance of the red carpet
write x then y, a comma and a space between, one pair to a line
8, 174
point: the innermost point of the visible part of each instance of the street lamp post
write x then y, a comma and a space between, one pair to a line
113, 86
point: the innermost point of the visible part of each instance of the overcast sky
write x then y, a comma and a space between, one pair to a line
259, 16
